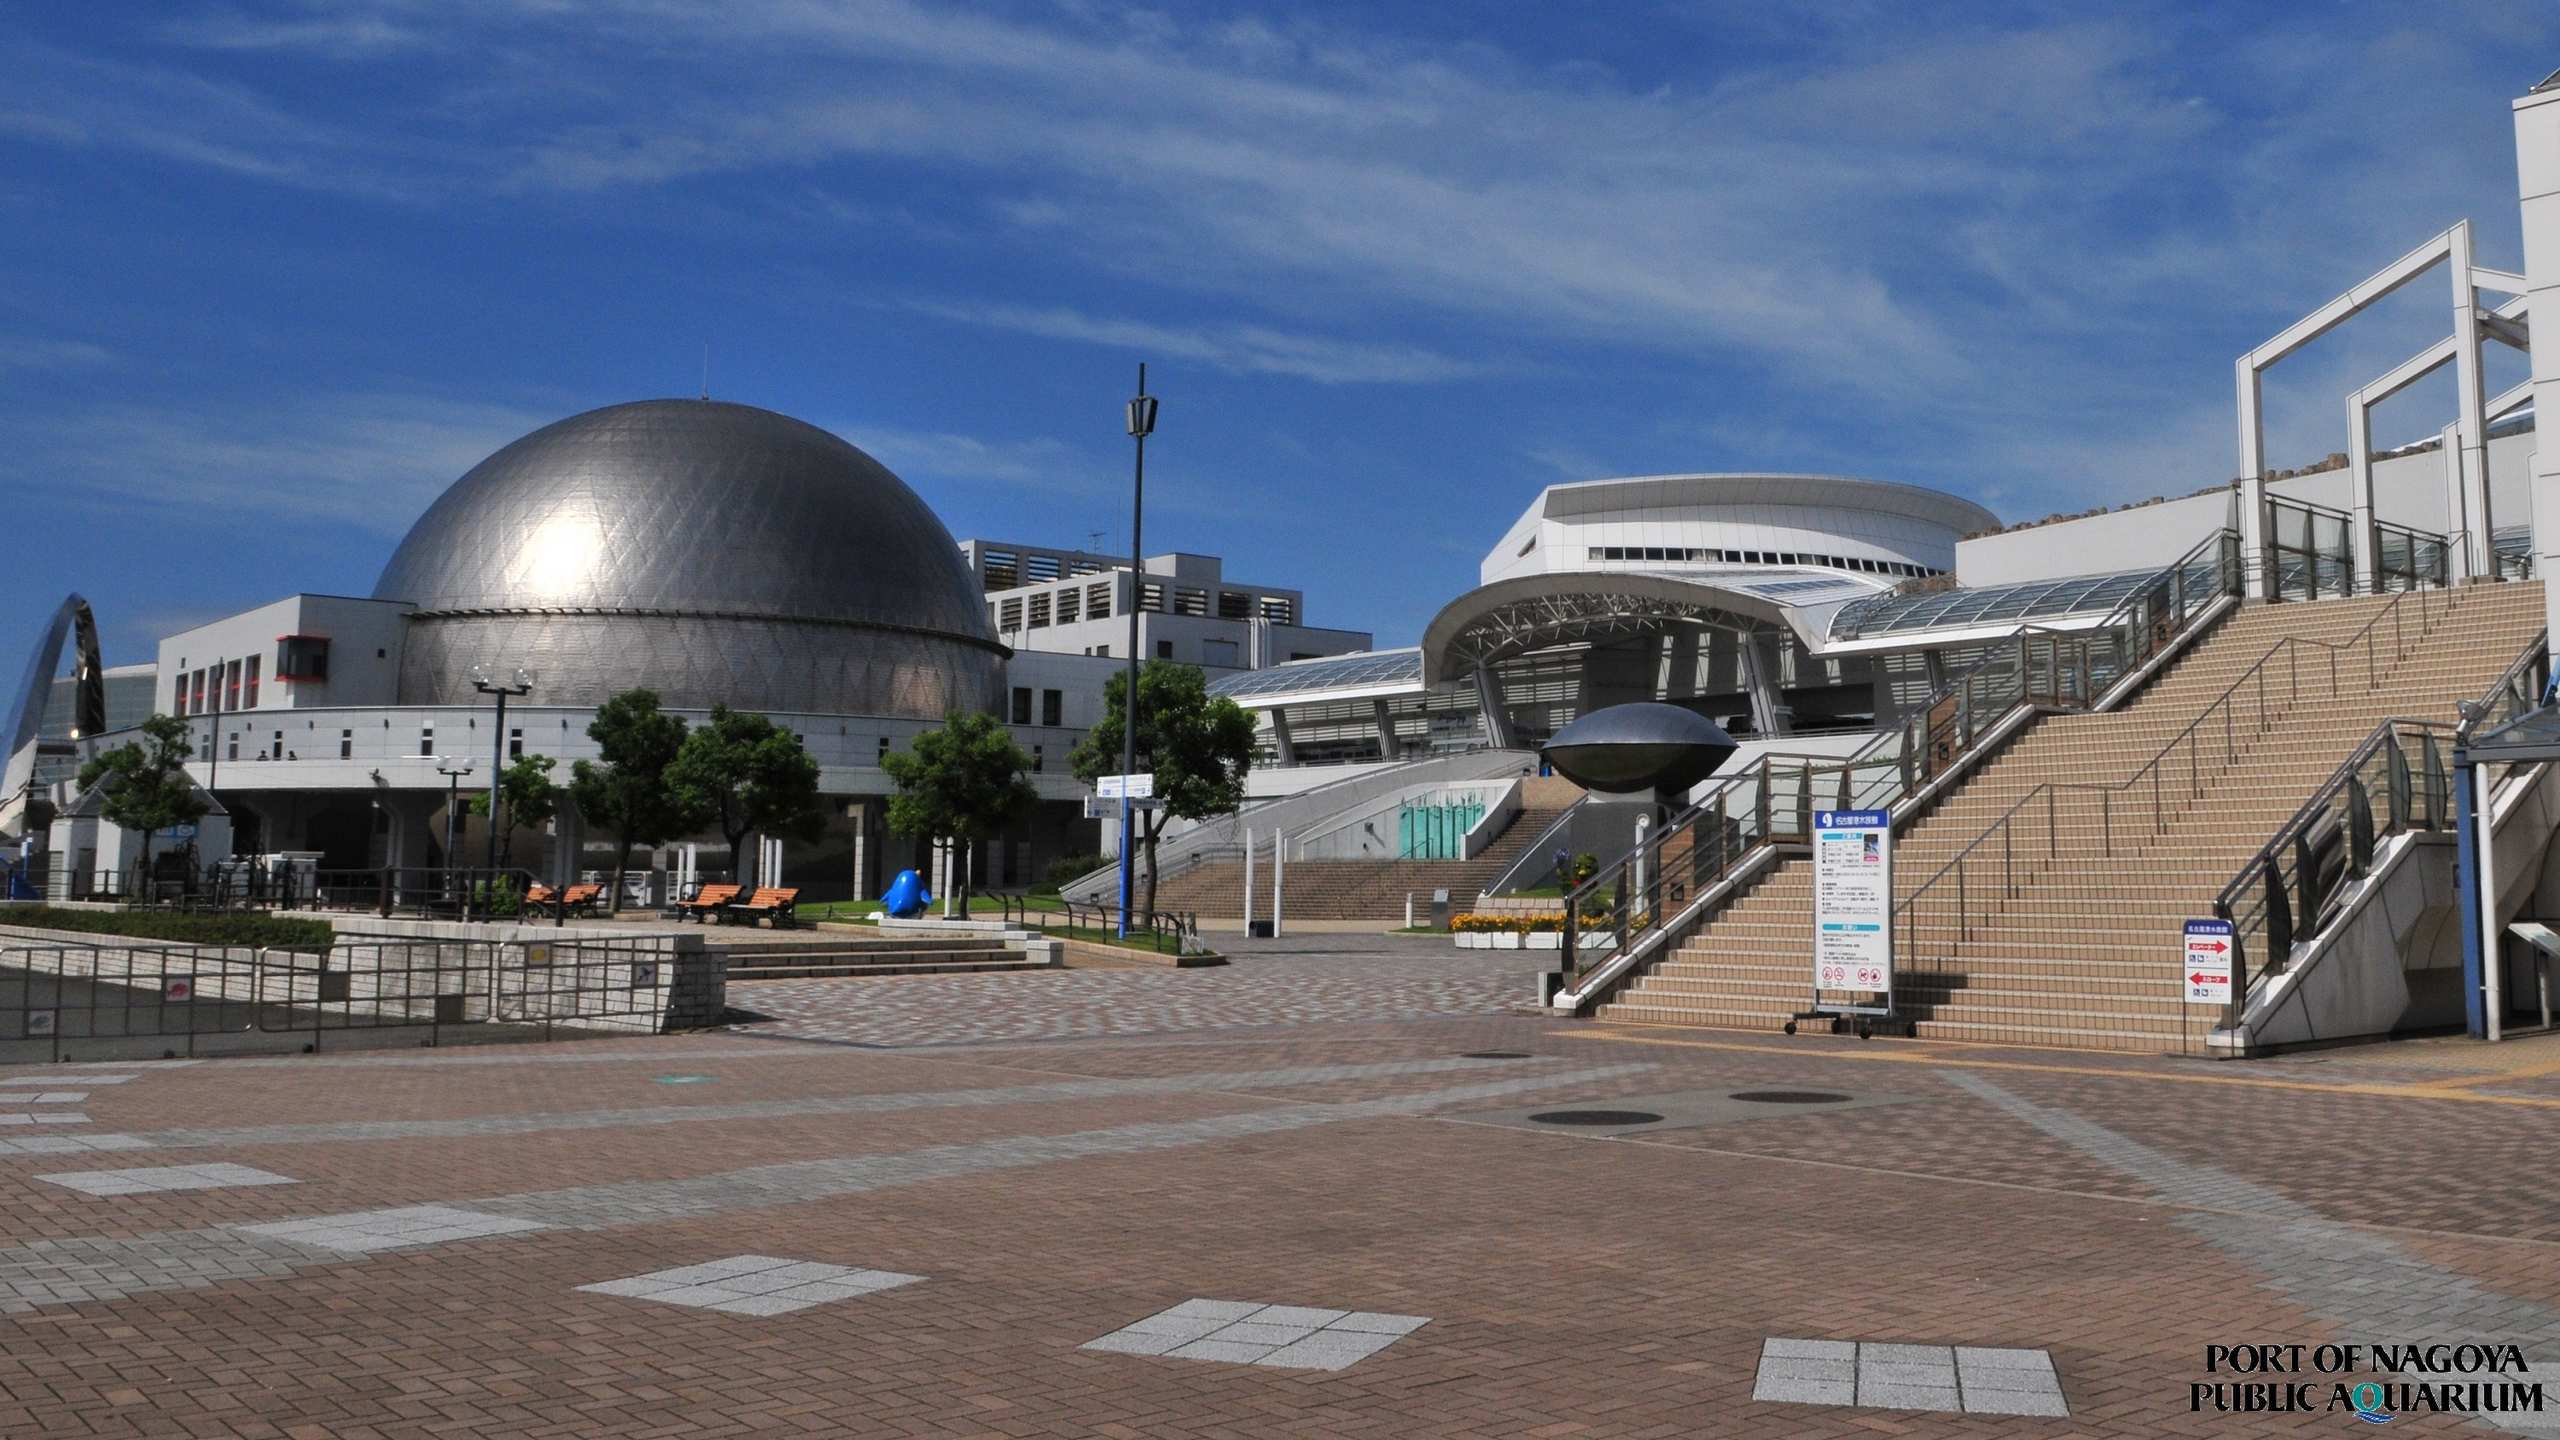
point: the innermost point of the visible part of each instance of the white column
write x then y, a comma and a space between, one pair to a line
2471, 420
1760, 675
1248, 882
2360, 492
1497, 720
2253, 481
1386, 727
1279, 864
2538, 184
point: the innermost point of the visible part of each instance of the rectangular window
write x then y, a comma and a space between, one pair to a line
1021, 705
882, 753
1003, 570
253, 682
178, 702
1151, 597
1234, 605
232, 743
277, 748
1097, 601
1040, 611
231, 686
1164, 651
1102, 650
1278, 610
1188, 601
426, 739
1035, 759
346, 744
1038, 569
199, 706
1067, 599
515, 744
1012, 617
302, 657
1053, 705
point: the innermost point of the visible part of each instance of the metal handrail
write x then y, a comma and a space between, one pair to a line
1907, 772
2050, 791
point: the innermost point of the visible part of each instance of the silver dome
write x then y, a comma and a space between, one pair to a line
708, 551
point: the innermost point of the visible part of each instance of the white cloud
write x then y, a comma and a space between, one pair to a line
1244, 349
21, 352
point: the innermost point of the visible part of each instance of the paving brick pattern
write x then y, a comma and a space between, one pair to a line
162, 1179
452, 1257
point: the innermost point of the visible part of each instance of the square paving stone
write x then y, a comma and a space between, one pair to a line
2014, 1402
1804, 1392
1327, 1349
1298, 1337
753, 1285
1810, 1349
1221, 1350
364, 1231
1907, 1397
156, 1179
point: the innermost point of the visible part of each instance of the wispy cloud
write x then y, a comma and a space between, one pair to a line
368, 461
1242, 349
21, 352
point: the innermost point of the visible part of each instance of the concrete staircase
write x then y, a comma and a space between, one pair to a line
834, 956
1356, 889
2067, 930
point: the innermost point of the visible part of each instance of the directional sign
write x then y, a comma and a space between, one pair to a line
1098, 808
2207, 958
1132, 787
1853, 900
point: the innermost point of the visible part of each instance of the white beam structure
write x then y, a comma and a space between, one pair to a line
2504, 324
2452, 249
2538, 189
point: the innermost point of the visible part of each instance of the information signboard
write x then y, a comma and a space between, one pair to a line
2207, 959
1134, 787
1853, 900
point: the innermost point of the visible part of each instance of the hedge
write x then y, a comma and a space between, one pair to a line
178, 927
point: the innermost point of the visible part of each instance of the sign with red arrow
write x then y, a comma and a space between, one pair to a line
2207, 961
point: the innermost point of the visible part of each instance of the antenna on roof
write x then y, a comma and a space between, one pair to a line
706, 369
1093, 540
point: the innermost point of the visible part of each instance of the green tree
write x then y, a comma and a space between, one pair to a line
625, 788
748, 775
963, 782
147, 785
1197, 745
529, 797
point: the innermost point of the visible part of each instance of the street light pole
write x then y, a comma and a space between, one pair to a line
452, 805
520, 683
1142, 423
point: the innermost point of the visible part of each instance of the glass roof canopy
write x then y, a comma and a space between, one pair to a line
1369, 672
1997, 604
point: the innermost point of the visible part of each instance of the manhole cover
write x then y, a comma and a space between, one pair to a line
1494, 1055
1596, 1117
1791, 1097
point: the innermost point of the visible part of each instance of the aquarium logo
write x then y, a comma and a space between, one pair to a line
2367, 1399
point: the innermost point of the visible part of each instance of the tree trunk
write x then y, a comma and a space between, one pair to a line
742, 865
621, 865
967, 873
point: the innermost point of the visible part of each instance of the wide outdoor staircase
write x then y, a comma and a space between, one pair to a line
1352, 889
2042, 901
836, 956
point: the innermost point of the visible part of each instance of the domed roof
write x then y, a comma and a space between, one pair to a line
687, 507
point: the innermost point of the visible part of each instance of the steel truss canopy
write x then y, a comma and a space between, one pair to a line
1495, 622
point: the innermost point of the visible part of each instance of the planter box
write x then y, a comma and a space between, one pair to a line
1546, 940
1469, 940
1505, 939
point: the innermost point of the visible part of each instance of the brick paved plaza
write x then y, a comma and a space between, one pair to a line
1238, 1202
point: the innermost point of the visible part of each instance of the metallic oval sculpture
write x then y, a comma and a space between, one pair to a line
1644, 746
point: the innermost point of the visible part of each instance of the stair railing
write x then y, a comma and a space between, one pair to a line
1631, 903
2397, 781
1990, 867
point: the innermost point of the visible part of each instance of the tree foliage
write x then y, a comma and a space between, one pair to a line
529, 796
625, 789
1198, 747
964, 781
747, 775
147, 786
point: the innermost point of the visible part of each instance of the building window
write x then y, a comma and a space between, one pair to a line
1188, 601
1234, 605
1097, 601
1151, 597
1067, 599
1003, 572
346, 744
231, 686
1052, 705
1278, 610
426, 739
277, 749
253, 682
1012, 616
1021, 705
178, 702
1102, 650
1035, 759
199, 705
515, 744
1040, 569
232, 743
303, 657
1164, 649
882, 753
1040, 611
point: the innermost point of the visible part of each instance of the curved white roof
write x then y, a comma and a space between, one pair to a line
1846, 492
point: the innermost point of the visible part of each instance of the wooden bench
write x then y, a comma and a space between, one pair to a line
580, 899
703, 906
538, 898
778, 906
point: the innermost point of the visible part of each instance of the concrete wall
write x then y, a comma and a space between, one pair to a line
2407, 490
364, 654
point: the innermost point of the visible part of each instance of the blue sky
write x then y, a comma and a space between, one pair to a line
276, 273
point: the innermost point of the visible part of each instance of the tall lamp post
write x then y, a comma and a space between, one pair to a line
452, 806
516, 682
1142, 423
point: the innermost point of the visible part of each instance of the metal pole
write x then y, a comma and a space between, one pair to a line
1279, 863
1142, 419
2468, 885
497, 765
1248, 886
